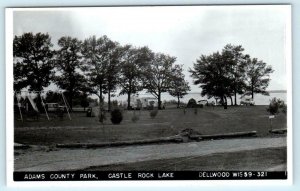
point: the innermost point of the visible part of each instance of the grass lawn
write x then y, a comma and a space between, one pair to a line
243, 160
82, 129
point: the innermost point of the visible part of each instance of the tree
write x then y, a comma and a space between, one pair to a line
212, 74
275, 105
84, 101
134, 61
68, 64
233, 56
96, 54
158, 76
179, 87
33, 63
54, 97
257, 77
113, 70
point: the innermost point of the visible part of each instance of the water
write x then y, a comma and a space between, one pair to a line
258, 98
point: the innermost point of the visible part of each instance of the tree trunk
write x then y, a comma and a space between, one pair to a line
252, 91
231, 100
235, 102
39, 102
109, 105
101, 99
129, 94
159, 101
225, 102
128, 101
178, 102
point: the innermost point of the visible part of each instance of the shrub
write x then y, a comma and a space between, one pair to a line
116, 116
195, 111
153, 113
135, 118
192, 103
102, 117
114, 104
275, 105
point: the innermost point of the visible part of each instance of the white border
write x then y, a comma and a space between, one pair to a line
288, 53
190, 183
9, 96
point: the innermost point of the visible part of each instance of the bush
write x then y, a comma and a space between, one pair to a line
135, 118
153, 113
102, 117
192, 103
116, 116
275, 105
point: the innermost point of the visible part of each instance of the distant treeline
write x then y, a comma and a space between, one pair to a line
101, 66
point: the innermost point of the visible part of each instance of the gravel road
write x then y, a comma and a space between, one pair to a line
76, 159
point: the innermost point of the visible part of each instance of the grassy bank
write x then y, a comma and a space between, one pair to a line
169, 122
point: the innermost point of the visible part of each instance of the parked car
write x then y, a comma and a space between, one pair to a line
247, 101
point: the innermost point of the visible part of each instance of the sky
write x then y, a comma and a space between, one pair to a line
186, 32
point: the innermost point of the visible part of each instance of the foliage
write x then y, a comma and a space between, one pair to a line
134, 118
229, 73
84, 102
159, 75
275, 106
153, 113
192, 103
257, 77
196, 111
32, 61
113, 70
234, 57
96, 55
179, 87
116, 116
53, 97
68, 64
101, 116
133, 62
212, 74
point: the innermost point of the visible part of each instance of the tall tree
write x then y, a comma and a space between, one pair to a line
233, 56
257, 77
134, 61
113, 70
33, 63
179, 87
211, 73
68, 64
158, 76
96, 54
33, 60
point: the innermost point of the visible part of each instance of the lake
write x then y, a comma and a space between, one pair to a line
258, 98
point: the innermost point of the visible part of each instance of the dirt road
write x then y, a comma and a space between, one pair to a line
76, 159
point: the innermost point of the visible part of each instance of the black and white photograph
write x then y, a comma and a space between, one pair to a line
149, 93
